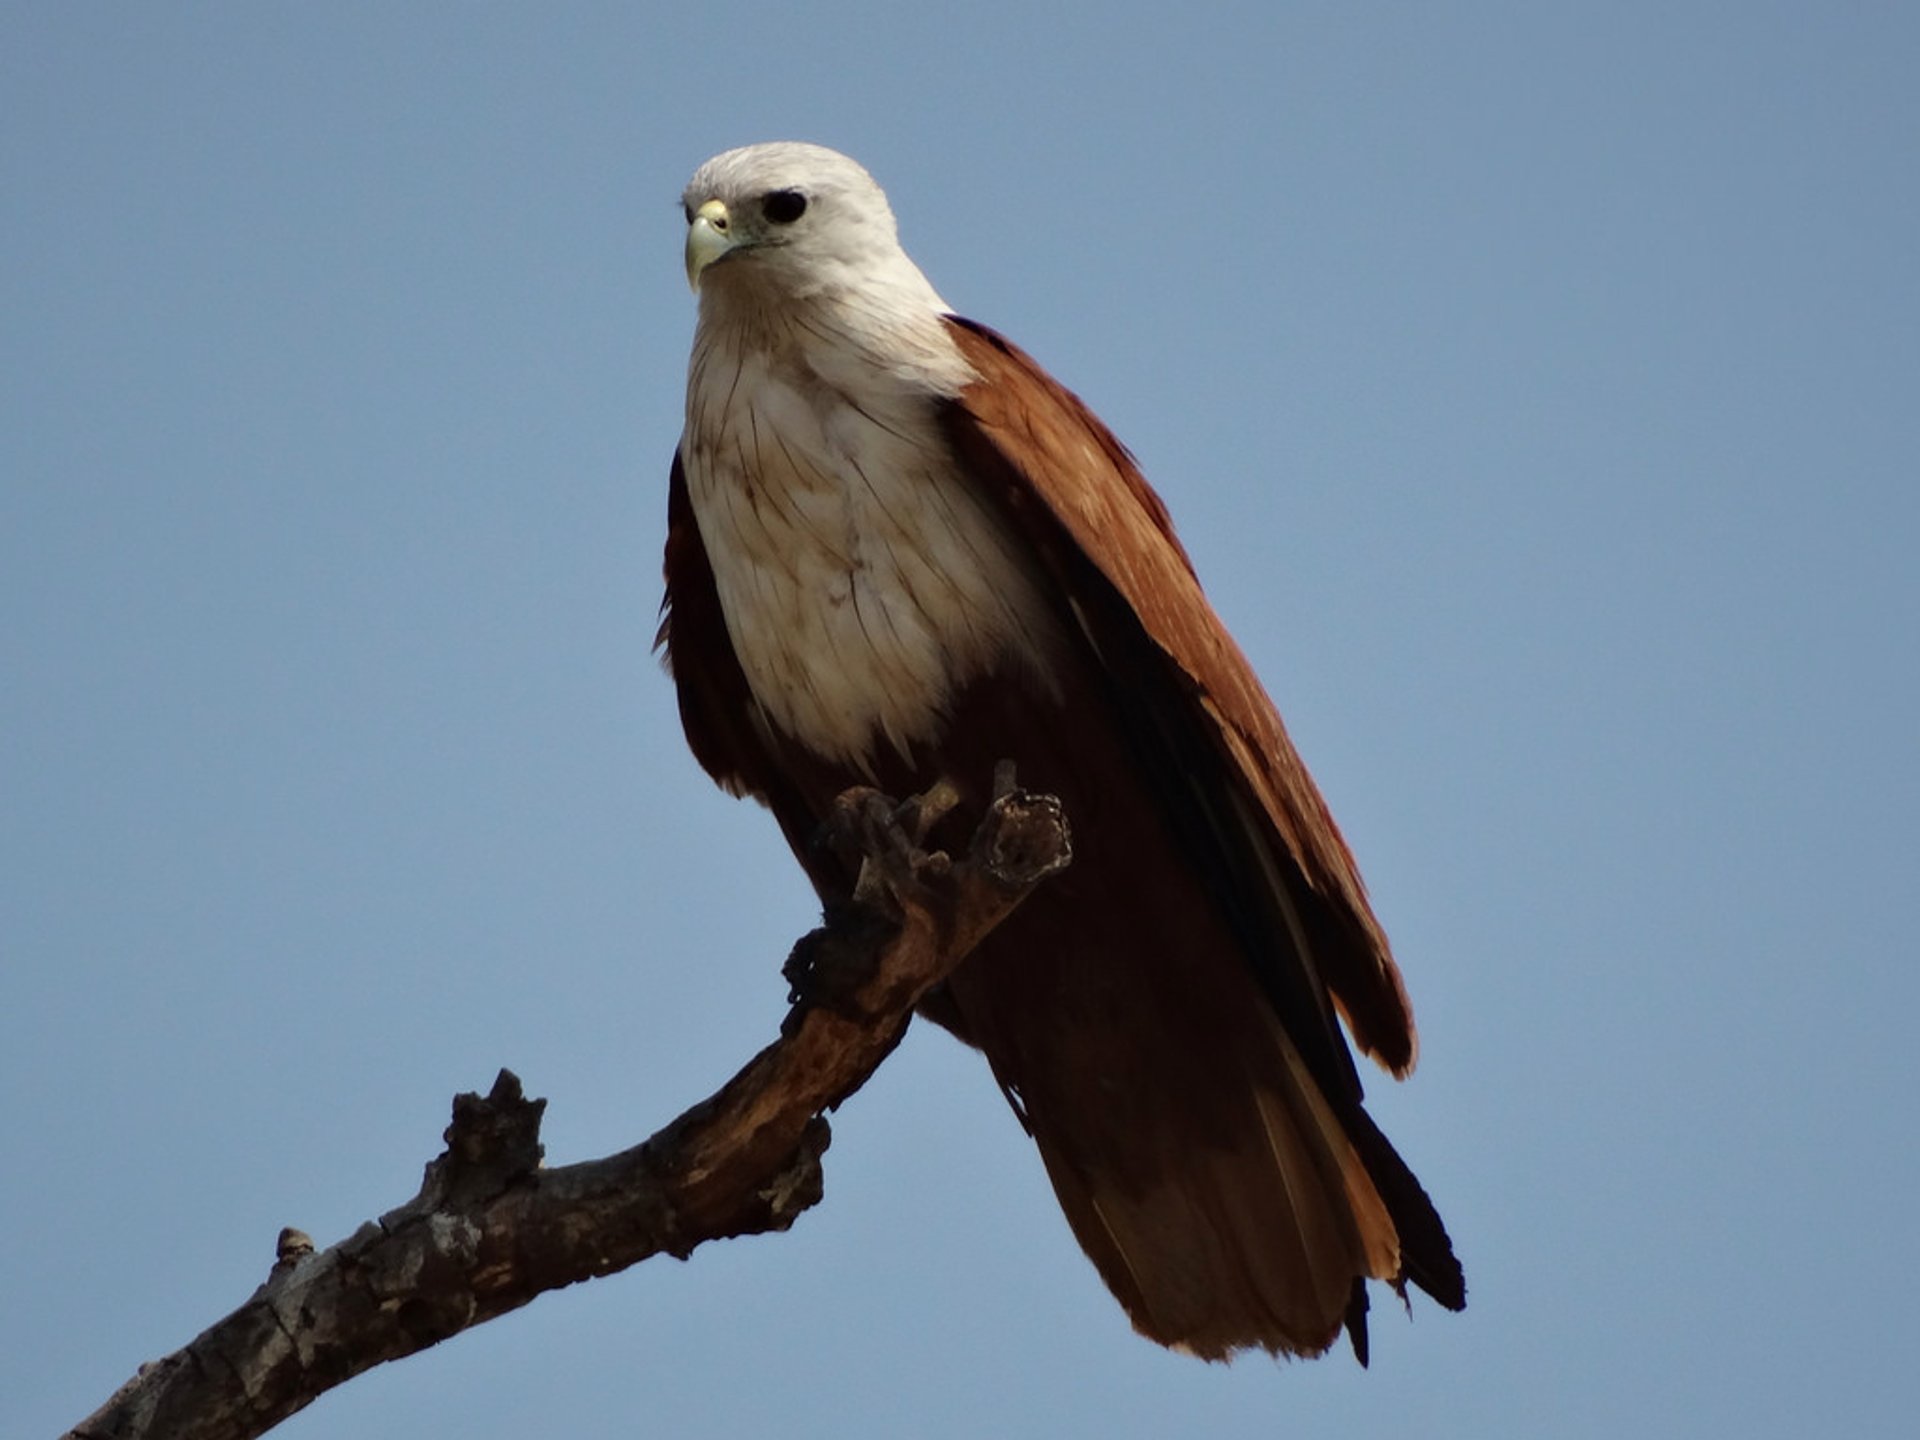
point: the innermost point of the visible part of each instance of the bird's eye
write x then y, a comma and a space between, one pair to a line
783, 207
687, 210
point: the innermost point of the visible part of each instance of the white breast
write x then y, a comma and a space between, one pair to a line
863, 580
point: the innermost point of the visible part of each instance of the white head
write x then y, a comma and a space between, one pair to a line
788, 221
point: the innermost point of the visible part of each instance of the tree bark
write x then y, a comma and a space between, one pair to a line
491, 1227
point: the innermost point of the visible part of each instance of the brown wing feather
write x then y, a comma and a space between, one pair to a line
716, 707
1067, 479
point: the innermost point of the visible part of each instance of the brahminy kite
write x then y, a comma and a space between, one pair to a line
900, 552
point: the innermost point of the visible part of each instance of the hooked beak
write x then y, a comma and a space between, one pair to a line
708, 238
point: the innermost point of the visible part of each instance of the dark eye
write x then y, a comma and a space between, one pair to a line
783, 207
687, 210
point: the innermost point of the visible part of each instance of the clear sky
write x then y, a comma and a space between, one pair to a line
1538, 390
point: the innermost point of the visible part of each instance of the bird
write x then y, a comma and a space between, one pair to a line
900, 553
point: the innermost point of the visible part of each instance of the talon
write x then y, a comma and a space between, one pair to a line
920, 813
883, 841
828, 965
1006, 779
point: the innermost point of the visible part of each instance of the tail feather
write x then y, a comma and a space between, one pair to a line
1248, 1237
1228, 1203
1426, 1251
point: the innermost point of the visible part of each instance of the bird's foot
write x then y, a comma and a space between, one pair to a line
827, 967
884, 840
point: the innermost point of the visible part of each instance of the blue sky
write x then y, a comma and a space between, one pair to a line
1538, 390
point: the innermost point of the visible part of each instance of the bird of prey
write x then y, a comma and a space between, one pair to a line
900, 552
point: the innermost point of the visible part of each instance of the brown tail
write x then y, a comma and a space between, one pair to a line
1248, 1229
1225, 1200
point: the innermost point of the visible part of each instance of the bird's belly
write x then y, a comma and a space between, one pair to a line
863, 582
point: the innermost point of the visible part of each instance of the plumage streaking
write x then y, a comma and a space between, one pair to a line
898, 551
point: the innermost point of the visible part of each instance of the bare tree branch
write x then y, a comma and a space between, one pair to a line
491, 1228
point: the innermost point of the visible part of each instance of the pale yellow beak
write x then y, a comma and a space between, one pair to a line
708, 238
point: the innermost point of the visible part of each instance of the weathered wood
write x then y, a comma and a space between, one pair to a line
491, 1228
